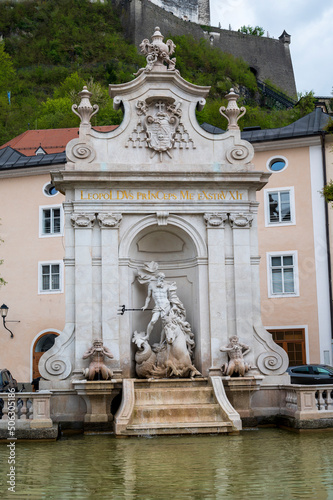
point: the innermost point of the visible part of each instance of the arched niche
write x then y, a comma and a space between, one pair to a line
176, 253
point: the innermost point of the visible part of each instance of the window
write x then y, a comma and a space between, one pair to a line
320, 370
51, 221
279, 207
49, 189
293, 342
302, 369
282, 273
277, 164
50, 277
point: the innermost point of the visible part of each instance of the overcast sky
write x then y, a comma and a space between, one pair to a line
310, 24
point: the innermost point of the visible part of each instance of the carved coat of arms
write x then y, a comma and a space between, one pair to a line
161, 128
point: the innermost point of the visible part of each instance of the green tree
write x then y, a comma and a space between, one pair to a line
56, 112
249, 30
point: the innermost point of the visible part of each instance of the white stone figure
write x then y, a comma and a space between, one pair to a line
174, 351
97, 367
236, 352
159, 290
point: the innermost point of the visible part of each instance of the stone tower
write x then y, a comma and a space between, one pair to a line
196, 11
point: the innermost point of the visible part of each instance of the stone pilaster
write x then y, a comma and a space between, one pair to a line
83, 223
109, 224
215, 223
241, 224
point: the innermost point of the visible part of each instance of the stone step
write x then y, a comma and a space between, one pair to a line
147, 384
174, 395
181, 428
177, 413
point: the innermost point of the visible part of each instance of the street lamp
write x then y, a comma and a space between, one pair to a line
4, 312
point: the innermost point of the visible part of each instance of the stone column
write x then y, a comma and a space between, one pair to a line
241, 224
83, 223
217, 286
109, 224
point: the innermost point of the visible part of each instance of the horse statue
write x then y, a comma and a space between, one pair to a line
171, 358
176, 360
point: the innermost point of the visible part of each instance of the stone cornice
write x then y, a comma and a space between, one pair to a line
69, 178
154, 80
298, 142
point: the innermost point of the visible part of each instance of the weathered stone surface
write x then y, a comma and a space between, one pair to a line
175, 407
26, 432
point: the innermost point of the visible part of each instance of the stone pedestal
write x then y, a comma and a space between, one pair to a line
97, 396
240, 390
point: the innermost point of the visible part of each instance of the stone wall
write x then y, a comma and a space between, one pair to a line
196, 11
269, 58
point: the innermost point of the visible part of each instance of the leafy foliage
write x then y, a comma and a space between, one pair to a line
46, 42
52, 48
327, 192
249, 30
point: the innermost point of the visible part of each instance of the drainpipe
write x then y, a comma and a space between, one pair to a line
322, 137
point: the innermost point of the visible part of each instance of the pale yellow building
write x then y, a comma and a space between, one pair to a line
295, 292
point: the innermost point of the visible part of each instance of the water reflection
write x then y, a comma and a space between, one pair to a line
264, 464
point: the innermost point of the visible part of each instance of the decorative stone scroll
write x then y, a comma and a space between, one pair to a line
157, 53
159, 127
215, 220
109, 220
82, 151
241, 220
274, 360
57, 362
83, 220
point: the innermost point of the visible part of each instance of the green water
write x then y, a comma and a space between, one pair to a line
261, 464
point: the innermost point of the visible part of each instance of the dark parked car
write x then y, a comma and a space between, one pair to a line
311, 374
7, 381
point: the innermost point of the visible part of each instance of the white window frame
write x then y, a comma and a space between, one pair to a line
273, 159
46, 191
295, 293
41, 212
267, 192
40, 276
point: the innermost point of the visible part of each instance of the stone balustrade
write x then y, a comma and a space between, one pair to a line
32, 409
312, 402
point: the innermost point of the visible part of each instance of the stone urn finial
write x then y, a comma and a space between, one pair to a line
232, 112
85, 110
158, 53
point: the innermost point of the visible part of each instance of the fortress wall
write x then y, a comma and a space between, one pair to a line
269, 57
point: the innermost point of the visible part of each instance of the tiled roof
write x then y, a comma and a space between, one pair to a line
9, 159
51, 140
311, 124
